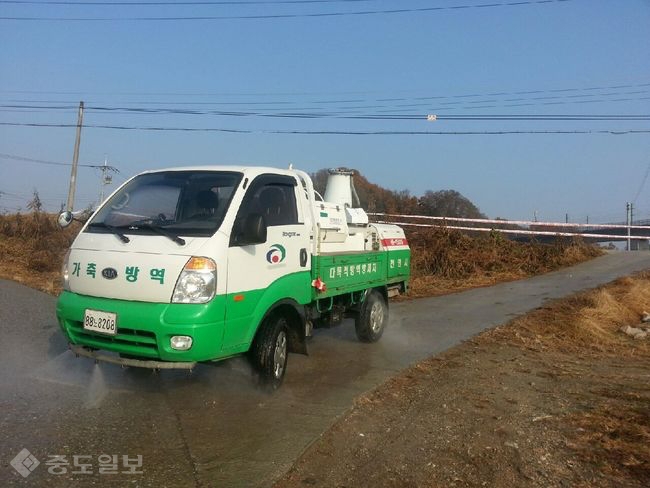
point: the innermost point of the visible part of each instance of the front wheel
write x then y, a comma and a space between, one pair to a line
270, 351
372, 319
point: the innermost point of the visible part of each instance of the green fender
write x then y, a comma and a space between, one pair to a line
245, 311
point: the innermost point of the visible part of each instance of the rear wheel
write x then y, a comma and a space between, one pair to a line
270, 351
372, 319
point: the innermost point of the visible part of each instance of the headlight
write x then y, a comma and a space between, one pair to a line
197, 282
65, 273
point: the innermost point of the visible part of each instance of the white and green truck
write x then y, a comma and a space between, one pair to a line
200, 264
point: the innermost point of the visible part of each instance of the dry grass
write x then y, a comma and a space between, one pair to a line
588, 322
445, 260
32, 248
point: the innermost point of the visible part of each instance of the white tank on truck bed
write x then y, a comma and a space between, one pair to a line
391, 237
344, 227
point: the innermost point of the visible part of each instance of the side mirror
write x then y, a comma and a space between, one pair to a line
65, 219
253, 230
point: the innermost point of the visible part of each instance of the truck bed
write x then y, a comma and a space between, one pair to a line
359, 270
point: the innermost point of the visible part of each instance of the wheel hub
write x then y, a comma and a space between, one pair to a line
280, 354
376, 317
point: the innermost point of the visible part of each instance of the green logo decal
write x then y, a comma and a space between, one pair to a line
276, 254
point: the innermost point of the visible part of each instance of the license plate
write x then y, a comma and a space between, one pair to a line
102, 322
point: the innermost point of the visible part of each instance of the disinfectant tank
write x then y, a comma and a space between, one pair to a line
340, 191
340, 187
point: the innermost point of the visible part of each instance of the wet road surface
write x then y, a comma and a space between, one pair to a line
214, 427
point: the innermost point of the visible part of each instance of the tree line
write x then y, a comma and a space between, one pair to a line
374, 198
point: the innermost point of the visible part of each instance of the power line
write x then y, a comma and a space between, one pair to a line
10, 194
54, 163
315, 115
288, 16
645, 177
535, 91
532, 117
50, 200
340, 108
179, 3
329, 132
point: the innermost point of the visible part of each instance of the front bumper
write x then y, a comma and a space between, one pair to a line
137, 363
145, 329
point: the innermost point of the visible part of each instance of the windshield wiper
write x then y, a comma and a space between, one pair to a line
112, 229
156, 228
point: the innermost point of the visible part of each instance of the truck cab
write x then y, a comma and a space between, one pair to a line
198, 264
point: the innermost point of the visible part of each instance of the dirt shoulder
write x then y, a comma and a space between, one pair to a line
558, 397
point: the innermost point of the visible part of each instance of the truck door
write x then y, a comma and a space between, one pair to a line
261, 274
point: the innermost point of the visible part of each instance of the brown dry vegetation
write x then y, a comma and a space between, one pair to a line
32, 248
445, 260
586, 323
558, 397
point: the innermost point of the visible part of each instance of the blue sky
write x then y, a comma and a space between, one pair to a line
476, 61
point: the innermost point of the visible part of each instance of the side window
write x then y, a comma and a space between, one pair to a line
271, 196
277, 204
273, 200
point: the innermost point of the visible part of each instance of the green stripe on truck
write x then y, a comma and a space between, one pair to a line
219, 329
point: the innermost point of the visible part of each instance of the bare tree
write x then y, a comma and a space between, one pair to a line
35, 204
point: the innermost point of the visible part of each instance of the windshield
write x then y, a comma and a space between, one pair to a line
189, 203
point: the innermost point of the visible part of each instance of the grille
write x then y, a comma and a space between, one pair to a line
129, 341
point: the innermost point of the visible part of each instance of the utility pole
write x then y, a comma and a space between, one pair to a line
75, 160
628, 218
631, 223
107, 179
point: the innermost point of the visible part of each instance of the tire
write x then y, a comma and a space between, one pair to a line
372, 319
270, 351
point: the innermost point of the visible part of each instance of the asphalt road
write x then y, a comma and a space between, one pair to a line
213, 427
